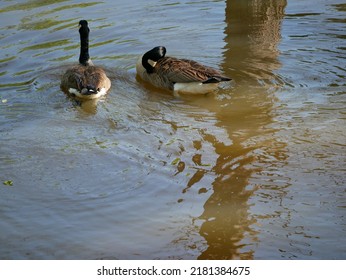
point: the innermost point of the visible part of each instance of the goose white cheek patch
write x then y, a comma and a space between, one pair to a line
152, 62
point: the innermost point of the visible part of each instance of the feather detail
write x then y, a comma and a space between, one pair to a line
87, 82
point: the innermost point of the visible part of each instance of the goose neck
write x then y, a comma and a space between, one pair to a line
84, 56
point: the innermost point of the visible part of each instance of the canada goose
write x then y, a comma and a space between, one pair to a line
85, 80
179, 75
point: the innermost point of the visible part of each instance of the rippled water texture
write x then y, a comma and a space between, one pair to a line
253, 171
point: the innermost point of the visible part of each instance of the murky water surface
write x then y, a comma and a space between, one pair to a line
253, 171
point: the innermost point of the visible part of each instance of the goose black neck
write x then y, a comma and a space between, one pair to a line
146, 64
84, 57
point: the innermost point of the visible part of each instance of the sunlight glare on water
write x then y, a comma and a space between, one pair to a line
253, 171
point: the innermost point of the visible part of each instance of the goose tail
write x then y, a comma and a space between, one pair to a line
217, 79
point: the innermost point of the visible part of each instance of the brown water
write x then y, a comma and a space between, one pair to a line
254, 171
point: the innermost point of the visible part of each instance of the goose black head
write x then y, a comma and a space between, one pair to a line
151, 57
83, 27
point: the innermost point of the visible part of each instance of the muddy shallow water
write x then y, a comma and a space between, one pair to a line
255, 170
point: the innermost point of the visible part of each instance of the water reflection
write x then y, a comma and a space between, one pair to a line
252, 36
250, 58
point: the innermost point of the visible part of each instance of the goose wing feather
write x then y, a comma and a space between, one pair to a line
185, 71
96, 77
80, 77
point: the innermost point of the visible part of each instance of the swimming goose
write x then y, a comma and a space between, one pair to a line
179, 75
85, 80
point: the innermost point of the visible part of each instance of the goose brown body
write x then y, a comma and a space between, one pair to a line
180, 75
85, 80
